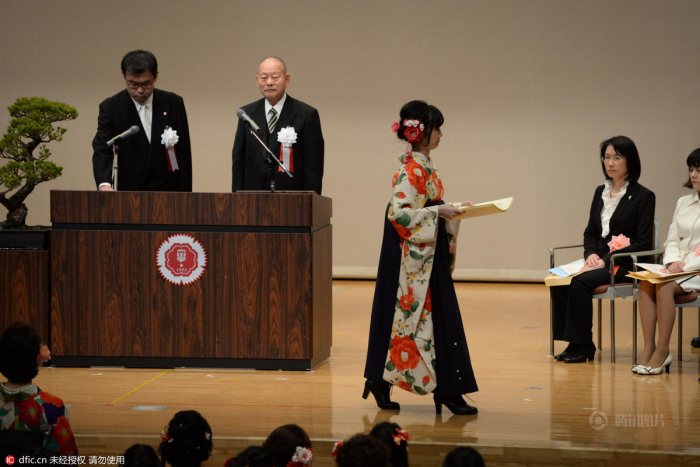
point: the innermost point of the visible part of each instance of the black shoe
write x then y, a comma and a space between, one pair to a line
456, 404
581, 354
695, 342
559, 357
380, 391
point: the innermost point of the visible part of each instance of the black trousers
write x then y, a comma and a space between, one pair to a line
573, 305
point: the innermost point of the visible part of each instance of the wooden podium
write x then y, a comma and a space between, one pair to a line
262, 300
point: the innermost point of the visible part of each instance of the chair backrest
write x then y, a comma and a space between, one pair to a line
657, 241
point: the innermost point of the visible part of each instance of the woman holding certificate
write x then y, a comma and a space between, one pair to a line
681, 252
621, 220
416, 339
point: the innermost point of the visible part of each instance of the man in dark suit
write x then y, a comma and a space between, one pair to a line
145, 162
274, 112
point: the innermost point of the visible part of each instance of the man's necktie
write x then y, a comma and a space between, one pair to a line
273, 120
145, 121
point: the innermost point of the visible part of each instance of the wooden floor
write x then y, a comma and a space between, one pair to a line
532, 410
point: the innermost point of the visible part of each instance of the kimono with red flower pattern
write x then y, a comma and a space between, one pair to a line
410, 362
31, 409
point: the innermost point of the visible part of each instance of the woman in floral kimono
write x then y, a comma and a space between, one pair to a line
416, 338
24, 407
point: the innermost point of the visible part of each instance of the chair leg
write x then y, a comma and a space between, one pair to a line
612, 331
551, 326
600, 328
680, 335
634, 332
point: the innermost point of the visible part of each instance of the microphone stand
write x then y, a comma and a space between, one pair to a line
115, 166
270, 159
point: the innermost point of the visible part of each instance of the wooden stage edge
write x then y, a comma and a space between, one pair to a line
532, 410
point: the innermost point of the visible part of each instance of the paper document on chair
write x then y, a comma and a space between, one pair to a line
657, 269
655, 273
562, 275
568, 269
485, 209
553, 280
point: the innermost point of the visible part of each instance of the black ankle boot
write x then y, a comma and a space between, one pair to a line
380, 391
454, 403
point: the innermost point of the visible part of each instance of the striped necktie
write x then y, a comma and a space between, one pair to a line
272, 120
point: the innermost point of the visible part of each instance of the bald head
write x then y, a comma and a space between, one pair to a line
272, 79
273, 59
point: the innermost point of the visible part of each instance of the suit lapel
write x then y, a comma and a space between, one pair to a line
289, 111
625, 201
623, 204
258, 116
158, 118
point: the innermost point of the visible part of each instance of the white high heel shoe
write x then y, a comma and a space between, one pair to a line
636, 368
647, 370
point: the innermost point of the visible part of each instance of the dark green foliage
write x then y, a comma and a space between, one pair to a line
31, 128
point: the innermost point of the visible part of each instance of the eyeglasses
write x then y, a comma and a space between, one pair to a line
614, 158
143, 84
274, 77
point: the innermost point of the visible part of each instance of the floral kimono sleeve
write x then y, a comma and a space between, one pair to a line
413, 222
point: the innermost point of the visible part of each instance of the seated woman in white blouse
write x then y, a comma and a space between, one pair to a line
621, 220
681, 252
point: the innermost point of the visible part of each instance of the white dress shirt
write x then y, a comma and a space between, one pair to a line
145, 112
609, 205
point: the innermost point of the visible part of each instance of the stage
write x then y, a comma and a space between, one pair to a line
532, 410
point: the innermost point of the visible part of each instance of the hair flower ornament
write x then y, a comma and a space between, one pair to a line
169, 139
302, 456
287, 137
413, 130
400, 437
618, 242
164, 436
336, 447
44, 354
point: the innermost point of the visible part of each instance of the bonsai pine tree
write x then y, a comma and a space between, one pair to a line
31, 127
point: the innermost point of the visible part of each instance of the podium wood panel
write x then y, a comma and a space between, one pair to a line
260, 209
263, 301
24, 289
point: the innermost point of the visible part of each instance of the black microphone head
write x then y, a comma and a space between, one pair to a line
244, 116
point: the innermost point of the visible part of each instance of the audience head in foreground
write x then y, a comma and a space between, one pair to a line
186, 440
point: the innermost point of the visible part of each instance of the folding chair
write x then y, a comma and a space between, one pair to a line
611, 291
689, 300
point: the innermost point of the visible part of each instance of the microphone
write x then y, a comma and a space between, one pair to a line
241, 114
131, 131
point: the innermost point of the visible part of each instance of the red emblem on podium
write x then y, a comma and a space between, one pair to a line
181, 259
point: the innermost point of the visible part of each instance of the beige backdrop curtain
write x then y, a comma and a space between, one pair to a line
528, 90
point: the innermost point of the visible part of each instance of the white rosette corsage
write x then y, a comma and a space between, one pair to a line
287, 136
169, 139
